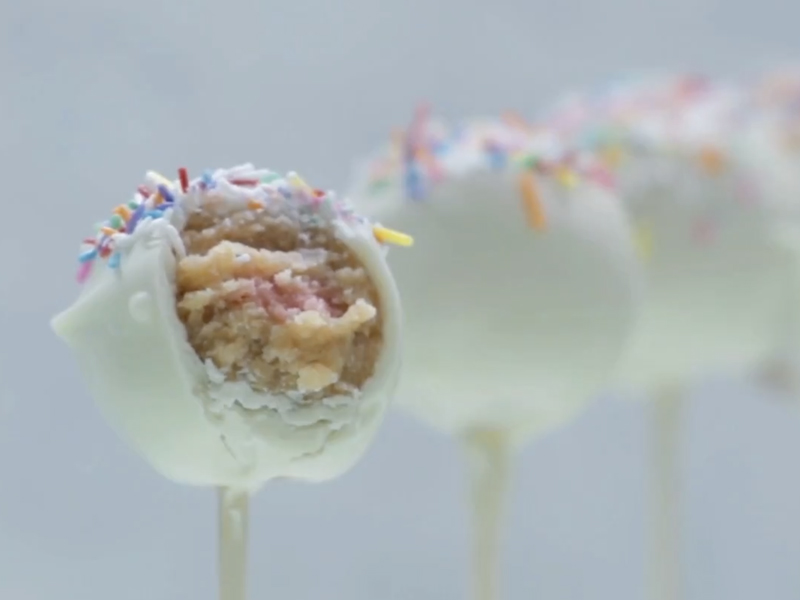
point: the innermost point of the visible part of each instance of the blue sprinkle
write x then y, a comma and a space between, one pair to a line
207, 179
88, 255
113, 262
414, 182
135, 218
497, 158
592, 138
154, 214
166, 194
439, 148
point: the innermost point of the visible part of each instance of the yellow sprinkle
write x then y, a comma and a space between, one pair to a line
109, 231
255, 205
296, 180
157, 199
390, 236
712, 161
426, 157
567, 177
398, 139
159, 177
612, 155
531, 202
643, 241
424, 154
791, 139
123, 211
514, 119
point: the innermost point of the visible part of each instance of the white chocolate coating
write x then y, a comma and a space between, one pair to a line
155, 391
508, 328
717, 280
768, 145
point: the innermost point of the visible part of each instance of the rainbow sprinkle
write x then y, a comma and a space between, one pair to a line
390, 236
164, 202
430, 153
643, 241
687, 117
531, 202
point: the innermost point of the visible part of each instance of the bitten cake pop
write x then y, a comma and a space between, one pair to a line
716, 277
521, 295
238, 328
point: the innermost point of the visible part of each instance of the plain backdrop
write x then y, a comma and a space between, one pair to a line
95, 92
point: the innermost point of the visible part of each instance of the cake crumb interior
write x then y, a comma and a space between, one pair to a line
283, 306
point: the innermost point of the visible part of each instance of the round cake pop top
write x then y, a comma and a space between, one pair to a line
663, 137
238, 327
770, 142
526, 292
716, 278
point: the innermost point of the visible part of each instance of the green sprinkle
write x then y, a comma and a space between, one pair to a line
529, 162
270, 177
133, 204
116, 221
379, 185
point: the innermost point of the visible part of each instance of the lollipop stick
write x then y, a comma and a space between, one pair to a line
233, 529
489, 465
665, 567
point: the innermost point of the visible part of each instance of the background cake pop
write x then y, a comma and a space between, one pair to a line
239, 327
717, 280
769, 145
521, 296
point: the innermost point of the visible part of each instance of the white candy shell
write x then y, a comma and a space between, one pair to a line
508, 327
156, 393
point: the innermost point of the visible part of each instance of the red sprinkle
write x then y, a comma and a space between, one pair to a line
245, 182
144, 191
319, 193
90, 241
183, 175
105, 252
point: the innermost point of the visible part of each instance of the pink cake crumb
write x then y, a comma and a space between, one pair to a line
281, 307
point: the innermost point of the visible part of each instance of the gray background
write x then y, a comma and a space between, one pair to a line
95, 92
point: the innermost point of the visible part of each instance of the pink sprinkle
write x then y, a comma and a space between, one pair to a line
746, 192
83, 271
416, 131
704, 231
604, 177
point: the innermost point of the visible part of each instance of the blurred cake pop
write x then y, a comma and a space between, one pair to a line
237, 328
519, 297
716, 276
769, 144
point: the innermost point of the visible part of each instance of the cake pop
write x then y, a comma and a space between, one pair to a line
716, 276
521, 295
770, 145
238, 328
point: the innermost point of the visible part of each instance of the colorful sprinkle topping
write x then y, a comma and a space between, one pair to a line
430, 153
159, 202
686, 117
531, 202
389, 236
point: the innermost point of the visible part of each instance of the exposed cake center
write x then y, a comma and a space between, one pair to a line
283, 306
